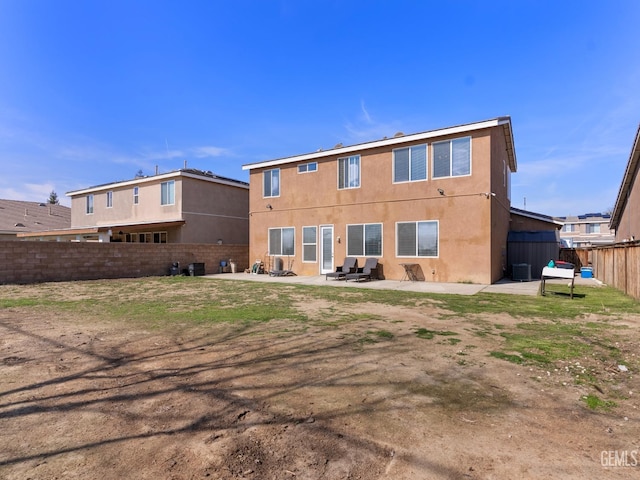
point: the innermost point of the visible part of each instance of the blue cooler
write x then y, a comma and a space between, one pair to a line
586, 272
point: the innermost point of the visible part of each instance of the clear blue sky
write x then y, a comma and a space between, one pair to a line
93, 91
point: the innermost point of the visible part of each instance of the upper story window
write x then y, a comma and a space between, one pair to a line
89, 209
452, 158
168, 193
349, 172
417, 239
271, 181
410, 164
308, 167
136, 195
593, 228
568, 227
109, 199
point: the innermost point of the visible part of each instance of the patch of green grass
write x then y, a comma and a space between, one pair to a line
20, 302
453, 341
381, 334
547, 342
594, 402
429, 334
507, 356
599, 300
374, 336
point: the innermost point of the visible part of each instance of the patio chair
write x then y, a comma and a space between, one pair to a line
369, 271
349, 265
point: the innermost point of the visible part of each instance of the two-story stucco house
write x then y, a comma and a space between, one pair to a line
586, 230
437, 200
183, 206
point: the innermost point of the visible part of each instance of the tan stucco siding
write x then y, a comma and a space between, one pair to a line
214, 212
465, 214
210, 210
629, 226
500, 204
124, 210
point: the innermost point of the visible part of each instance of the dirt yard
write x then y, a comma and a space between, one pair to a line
97, 398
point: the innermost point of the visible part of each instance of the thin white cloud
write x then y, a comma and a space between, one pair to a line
33, 192
365, 113
366, 128
209, 152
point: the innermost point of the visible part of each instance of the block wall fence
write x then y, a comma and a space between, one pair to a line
33, 262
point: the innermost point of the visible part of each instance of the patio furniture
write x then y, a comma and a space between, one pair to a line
409, 272
554, 272
368, 272
349, 265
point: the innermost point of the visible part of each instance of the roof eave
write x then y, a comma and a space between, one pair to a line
155, 178
470, 127
627, 180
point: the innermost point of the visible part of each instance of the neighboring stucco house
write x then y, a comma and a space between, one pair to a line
18, 217
183, 206
625, 219
439, 200
586, 230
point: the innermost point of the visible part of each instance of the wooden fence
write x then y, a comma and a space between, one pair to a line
617, 265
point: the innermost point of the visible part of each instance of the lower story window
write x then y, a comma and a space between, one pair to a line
364, 240
309, 244
417, 239
146, 237
281, 241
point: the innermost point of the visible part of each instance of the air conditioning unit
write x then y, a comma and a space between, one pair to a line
521, 272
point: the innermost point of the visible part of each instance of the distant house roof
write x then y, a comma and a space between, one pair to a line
17, 216
187, 172
586, 218
536, 216
505, 122
630, 174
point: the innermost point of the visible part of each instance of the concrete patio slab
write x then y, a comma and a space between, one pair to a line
503, 286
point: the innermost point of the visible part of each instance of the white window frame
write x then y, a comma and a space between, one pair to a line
362, 251
451, 174
168, 193
136, 195
146, 236
313, 244
345, 167
416, 251
280, 251
310, 167
89, 204
270, 173
110, 199
593, 228
426, 163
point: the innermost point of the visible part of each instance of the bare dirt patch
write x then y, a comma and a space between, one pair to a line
354, 393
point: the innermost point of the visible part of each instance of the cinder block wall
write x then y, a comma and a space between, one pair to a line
31, 262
